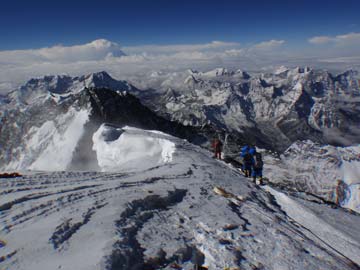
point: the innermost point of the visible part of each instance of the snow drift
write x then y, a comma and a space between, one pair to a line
131, 148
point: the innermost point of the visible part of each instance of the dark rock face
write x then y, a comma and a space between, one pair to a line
281, 107
270, 110
122, 109
104, 106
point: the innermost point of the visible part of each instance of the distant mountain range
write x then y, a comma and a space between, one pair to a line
280, 107
58, 115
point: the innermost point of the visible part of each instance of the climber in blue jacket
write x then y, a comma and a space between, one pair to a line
248, 160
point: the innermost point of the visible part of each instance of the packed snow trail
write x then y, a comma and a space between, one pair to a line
343, 242
156, 218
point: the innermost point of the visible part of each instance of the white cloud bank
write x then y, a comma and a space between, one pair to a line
96, 50
164, 49
269, 45
18, 66
350, 39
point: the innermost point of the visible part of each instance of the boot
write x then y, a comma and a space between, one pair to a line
261, 181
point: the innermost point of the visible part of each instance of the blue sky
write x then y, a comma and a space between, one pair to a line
36, 24
131, 38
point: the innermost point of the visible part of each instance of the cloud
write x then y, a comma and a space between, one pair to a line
18, 66
165, 49
339, 60
96, 50
235, 52
350, 39
320, 40
268, 45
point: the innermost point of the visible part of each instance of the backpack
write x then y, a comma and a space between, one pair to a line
247, 158
258, 161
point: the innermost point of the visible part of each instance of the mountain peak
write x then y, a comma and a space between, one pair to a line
103, 43
218, 72
102, 75
104, 48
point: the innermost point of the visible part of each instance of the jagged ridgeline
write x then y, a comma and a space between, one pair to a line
280, 107
29, 131
270, 110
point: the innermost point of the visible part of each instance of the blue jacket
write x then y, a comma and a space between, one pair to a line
252, 151
244, 150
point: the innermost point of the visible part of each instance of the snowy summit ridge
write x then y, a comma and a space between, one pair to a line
125, 187
186, 211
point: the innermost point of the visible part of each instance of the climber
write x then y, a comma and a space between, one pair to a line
248, 161
257, 168
217, 145
252, 150
244, 150
340, 192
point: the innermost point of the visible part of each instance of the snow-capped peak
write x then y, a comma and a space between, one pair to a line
242, 74
112, 48
57, 85
281, 70
217, 72
192, 71
99, 43
93, 78
190, 80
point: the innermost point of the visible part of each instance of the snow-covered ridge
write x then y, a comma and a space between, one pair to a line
166, 216
59, 87
284, 106
271, 109
45, 130
130, 148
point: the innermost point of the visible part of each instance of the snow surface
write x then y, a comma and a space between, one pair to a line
50, 146
341, 241
153, 203
152, 218
351, 176
317, 169
119, 148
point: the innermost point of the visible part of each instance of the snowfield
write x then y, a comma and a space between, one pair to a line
154, 207
128, 147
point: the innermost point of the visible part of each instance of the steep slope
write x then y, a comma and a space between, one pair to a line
272, 110
183, 211
60, 129
284, 106
60, 86
330, 173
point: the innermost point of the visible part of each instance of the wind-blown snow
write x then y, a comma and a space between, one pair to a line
131, 148
50, 146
